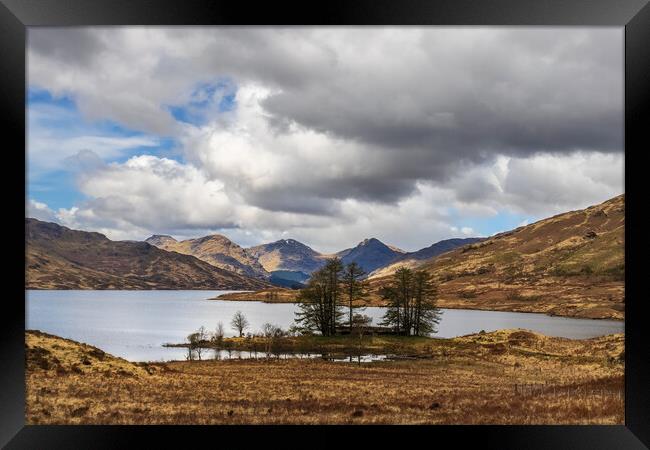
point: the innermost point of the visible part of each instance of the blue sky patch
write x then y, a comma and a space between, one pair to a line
205, 101
58, 190
487, 226
56, 131
38, 95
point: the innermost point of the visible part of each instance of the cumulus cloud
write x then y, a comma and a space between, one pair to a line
148, 195
540, 185
147, 190
300, 170
334, 134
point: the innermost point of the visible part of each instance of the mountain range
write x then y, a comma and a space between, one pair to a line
288, 262
61, 258
414, 259
571, 264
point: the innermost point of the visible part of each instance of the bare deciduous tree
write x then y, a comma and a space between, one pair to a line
239, 323
271, 334
217, 337
200, 336
196, 341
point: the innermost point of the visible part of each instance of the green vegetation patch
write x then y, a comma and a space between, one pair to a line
505, 258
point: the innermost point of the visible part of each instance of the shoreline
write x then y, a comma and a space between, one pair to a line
450, 304
391, 346
255, 296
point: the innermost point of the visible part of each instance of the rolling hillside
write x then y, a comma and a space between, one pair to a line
572, 264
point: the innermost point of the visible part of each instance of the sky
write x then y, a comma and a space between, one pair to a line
327, 135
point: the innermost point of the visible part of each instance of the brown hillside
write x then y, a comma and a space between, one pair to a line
572, 264
287, 254
55, 355
216, 250
61, 258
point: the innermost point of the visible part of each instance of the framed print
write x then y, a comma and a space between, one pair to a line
372, 213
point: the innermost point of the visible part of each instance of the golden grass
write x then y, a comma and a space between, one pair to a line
505, 377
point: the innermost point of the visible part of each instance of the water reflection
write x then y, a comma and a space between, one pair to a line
197, 354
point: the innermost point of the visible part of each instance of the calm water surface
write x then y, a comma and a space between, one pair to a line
135, 324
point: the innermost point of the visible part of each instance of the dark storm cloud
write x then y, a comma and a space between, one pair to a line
463, 92
517, 92
76, 46
317, 198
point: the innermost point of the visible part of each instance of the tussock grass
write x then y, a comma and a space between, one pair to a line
505, 377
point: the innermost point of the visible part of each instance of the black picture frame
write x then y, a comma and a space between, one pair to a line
634, 15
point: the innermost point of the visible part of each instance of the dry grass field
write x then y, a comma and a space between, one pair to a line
504, 377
